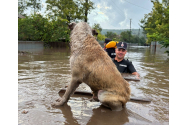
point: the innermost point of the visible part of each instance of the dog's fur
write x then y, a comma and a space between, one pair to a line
92, 65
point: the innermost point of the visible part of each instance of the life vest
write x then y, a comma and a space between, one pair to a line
111, 44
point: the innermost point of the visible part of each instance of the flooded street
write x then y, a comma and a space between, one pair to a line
43, 73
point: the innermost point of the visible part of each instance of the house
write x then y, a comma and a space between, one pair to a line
20, 16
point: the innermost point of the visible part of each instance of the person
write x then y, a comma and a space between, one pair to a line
107, 40
124, 66
109, 50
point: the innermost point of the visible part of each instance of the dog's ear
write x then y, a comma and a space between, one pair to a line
72, 25
94, 32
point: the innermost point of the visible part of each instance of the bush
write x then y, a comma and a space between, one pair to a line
38, 28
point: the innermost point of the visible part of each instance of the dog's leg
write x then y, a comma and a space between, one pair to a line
95, 97
107, 99
70, 90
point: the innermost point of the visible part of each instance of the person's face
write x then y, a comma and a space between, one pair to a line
120, 53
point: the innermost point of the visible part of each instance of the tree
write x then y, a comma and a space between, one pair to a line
100, 37
142, 41
35, 4
36, 27
86, 7
116, 39
111, 35
66, 9
156, 23
97, 27
72, 10
124, 36
22, 6
135, 39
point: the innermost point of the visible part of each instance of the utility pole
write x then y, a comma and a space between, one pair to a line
139, 36
139, 33
130, 31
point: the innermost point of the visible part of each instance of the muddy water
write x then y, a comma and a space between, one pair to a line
42, 74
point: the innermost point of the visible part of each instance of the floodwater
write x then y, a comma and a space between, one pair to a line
42, 74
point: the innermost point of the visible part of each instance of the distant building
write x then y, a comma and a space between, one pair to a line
20, 16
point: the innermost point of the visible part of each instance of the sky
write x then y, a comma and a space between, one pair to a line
116, 14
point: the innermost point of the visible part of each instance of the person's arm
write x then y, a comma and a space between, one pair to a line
133, 70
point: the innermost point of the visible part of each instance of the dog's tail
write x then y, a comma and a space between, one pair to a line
111, 100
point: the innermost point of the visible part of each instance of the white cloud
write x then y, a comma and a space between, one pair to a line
99, 14
122, 1
108, 7
98, 6
123, 23
117, 14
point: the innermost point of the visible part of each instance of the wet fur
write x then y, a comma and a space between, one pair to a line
91, 64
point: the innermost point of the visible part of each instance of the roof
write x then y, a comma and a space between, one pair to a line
20, 16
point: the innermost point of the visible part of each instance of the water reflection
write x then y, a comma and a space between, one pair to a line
81, 111
42, 74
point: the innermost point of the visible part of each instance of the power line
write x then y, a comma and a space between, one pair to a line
115, 6
121, 11
130, 25
107, 22
137, 5
134, 23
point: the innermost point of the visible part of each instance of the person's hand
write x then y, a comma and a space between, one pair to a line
137, 75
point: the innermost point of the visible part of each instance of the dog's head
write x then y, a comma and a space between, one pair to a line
94, 32
72, 25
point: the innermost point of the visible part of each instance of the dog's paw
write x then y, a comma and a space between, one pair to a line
56, 104
93, 100
58, 100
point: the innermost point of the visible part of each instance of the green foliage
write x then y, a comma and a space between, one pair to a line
22, 6
116, 39
26, 29
66, 9
38, 28
124, 36
118, 31
25, 4
156, 23
142, 41
97, 27
135, 39
54, 27
86, 8
72, 10
100, 37
111, 35
35, 4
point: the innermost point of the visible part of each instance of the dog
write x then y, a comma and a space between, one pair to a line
91, 64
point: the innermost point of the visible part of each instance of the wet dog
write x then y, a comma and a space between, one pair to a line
92, 65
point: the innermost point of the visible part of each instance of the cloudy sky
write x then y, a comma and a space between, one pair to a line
116, 14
